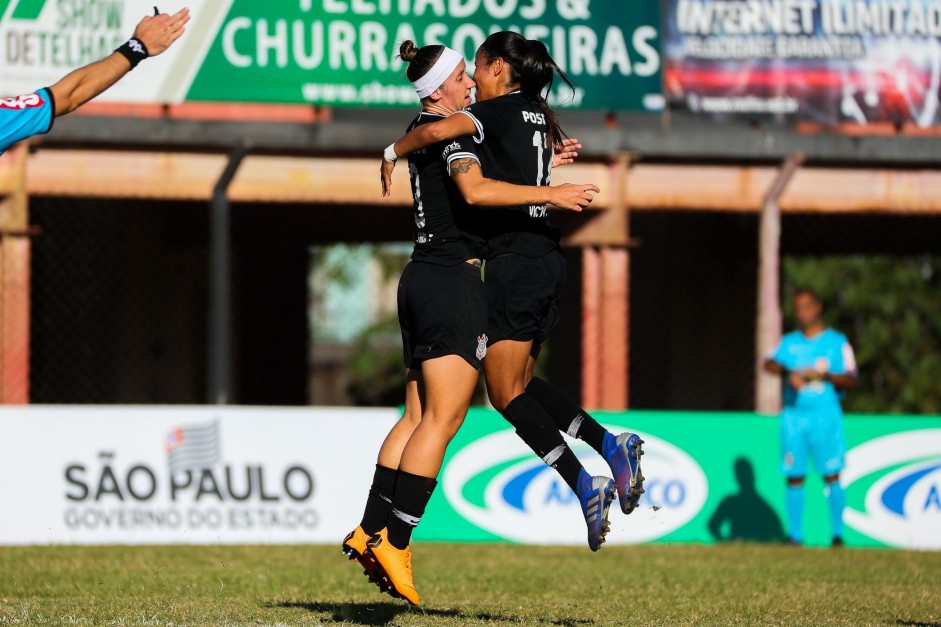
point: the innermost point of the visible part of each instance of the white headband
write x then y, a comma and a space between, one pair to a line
439, 72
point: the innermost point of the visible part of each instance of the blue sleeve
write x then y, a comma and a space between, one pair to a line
780, 355
25, 116
845, 360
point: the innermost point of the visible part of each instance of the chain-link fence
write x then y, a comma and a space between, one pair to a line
118, 301
119, 304
694, 305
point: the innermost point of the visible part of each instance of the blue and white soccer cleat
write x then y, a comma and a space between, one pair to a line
595, 495
623, 455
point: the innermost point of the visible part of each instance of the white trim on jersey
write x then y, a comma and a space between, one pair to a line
849, 359
480, 127
461, 155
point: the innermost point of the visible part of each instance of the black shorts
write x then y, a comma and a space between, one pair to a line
523, 295
442, 311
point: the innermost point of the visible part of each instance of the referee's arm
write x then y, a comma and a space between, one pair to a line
774, 367
155, 33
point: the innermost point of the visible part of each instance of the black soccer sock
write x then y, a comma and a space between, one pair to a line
568, 416
412, 493
379, 501
538, 431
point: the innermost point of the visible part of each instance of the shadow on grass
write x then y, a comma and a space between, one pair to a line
382, 613
915, 623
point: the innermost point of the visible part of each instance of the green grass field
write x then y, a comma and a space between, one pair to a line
471, 585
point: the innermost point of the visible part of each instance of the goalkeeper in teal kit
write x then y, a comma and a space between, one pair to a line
33, 114
817, 366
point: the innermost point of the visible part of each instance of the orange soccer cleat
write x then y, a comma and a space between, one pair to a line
396, 565
354, 548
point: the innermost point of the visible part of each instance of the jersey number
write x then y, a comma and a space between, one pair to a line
416, 189
542, 171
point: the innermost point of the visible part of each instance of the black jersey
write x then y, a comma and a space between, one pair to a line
513, 145
447, 230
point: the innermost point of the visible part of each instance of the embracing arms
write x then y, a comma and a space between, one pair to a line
452, 127
480, 191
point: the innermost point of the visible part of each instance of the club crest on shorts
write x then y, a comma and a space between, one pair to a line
482, 346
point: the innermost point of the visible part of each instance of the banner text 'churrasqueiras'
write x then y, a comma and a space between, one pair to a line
343, 52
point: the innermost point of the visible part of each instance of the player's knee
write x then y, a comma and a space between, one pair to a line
446, 423
795, 482
501, 396
498, 402
411, 418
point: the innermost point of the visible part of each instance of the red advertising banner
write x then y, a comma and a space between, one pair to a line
826, 61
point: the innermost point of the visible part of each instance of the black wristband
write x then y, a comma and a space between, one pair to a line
134, 51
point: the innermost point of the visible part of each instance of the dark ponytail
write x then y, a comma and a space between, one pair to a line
419, 60
532, 68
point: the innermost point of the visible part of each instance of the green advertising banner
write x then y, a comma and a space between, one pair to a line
342, 52
710, 477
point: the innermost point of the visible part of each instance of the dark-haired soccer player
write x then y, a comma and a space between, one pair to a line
817, 366
515, 131
443, 316
33, 114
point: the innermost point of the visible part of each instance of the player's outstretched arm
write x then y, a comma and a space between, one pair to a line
423, 136
480, 191
153, 35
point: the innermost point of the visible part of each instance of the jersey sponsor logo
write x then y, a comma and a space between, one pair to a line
524, 500
451, 148
534, 118
893, 485
482, 346
26, 101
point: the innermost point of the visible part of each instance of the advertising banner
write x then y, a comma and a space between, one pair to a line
160, 475
826, 61
204, 475
709, 477
332, 52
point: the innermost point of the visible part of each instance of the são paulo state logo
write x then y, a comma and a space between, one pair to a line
498, 484
893, 486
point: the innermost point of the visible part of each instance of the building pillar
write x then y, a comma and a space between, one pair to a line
14, 278
768, 326
591, 327
605, 296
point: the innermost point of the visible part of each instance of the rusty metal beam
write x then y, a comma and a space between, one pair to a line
353, 181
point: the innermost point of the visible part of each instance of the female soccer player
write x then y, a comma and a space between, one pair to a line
515, 131
443, 316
